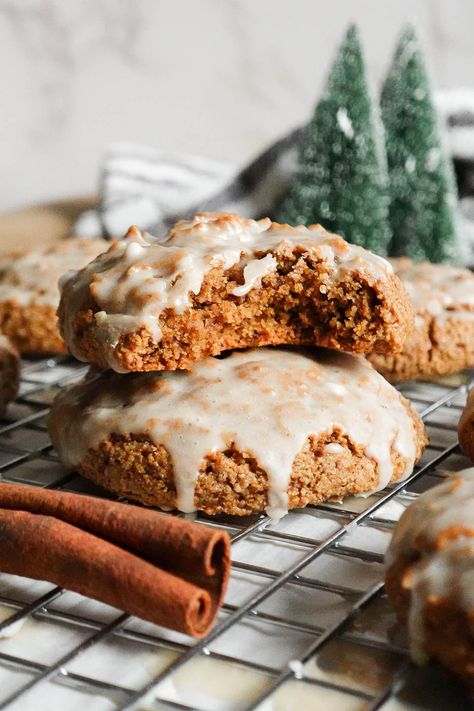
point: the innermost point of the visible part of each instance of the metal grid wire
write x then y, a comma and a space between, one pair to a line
305, 623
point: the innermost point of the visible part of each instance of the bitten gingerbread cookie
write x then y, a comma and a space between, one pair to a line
260, 429
443, 339
430, 575
9, 372
219, 282
29, 293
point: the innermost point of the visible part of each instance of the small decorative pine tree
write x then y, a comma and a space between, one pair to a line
342, 179
423, 207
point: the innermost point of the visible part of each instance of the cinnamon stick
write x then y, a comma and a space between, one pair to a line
164, 569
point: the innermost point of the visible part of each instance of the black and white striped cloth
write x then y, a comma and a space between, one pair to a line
153, 189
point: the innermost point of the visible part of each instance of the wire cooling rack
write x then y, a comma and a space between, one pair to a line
305, 624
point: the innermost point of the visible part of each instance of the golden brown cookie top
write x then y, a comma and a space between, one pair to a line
33, 276
264, 402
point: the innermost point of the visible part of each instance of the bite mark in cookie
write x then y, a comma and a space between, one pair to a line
218, 282
259, 429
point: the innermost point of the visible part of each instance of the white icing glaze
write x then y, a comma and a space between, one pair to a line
254, 271
437, 289
264, 402
446, 566
334, 448
142, 276
33, 277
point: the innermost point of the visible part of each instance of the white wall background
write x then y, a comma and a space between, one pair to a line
215, 77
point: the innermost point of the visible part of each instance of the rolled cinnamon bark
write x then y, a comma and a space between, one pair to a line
169, 542
163, 569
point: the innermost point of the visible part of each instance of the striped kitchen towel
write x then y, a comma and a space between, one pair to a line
152, 189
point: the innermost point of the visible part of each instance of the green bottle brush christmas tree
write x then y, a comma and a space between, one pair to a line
423, 195
342, 179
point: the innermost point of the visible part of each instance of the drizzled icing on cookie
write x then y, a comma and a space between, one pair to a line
263, 402
142, 276
33, 277
437, 289
440, 526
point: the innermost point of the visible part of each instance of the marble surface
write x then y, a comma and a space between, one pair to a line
214, 77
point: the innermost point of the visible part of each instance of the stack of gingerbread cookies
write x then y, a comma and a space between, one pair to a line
229, 372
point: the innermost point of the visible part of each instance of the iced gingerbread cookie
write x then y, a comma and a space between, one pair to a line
29, 293
443, 339
219, 282
430, 575
9, 372
259, 429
